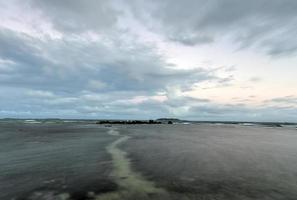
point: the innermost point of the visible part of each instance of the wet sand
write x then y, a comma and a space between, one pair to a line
84, 161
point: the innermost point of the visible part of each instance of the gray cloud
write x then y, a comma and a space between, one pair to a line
268, 24
291, 100
95, 69
190, 40
55, 76
65, 65
79, 15
243, 112
119, 104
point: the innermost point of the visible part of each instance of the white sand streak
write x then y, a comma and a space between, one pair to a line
131, 183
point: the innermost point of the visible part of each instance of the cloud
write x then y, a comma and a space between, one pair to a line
96, 85
129, 105
79, 15
90, 77
241, 112
267, 24
40, 94
107, 59
287, 100
255, 79
190, 40
65, 65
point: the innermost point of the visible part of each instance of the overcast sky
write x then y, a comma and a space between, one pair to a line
140, 59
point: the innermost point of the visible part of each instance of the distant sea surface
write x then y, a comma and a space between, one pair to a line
79, 160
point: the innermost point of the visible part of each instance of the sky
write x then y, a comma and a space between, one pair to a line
113, 59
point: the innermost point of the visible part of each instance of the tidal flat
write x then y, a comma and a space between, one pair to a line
84, 161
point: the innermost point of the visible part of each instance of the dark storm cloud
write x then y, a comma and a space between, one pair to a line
268, 24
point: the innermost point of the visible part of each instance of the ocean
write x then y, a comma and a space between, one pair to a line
80, 160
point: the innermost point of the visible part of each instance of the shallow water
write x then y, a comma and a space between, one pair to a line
202, 161
57, 157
